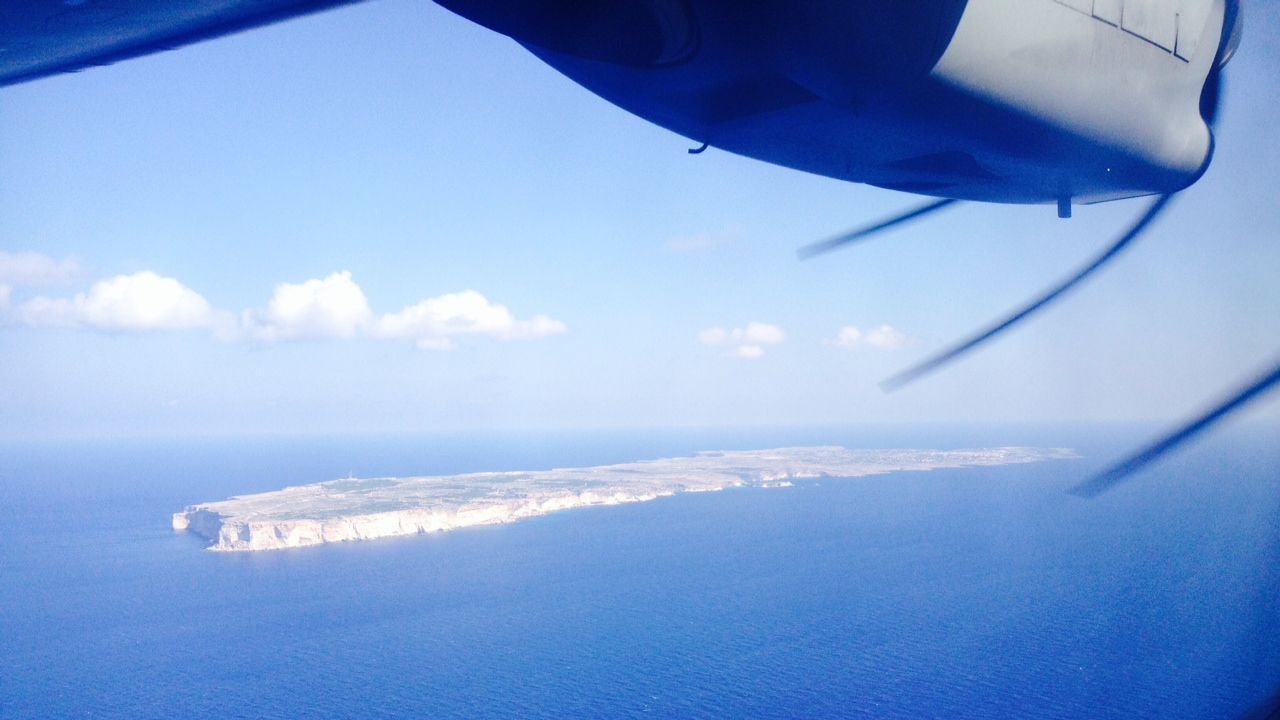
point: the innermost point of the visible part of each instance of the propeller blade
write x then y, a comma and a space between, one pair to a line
921, 369
1120, 471
830, 244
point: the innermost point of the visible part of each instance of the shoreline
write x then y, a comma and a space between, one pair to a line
353, 509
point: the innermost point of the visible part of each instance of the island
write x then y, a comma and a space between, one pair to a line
368, 508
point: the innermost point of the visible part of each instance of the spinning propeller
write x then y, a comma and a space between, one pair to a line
962, 347
840, 241
1253, 390
1041, 301
1113, 475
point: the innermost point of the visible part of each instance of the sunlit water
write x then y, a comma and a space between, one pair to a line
963, 593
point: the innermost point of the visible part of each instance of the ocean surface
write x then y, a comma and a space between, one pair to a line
975, 593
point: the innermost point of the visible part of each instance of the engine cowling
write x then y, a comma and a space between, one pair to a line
633, 33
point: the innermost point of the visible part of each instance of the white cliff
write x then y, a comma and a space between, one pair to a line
363, 509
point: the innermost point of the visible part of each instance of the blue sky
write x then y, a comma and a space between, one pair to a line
380, 161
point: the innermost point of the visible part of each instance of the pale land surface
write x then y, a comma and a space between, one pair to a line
367, 508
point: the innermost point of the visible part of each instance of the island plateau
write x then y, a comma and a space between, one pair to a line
367, 508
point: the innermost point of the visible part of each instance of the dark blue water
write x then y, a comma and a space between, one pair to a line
960, 594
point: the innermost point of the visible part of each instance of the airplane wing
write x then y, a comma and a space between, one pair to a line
46, 37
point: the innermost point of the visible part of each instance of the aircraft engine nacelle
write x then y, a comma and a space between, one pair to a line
998, 100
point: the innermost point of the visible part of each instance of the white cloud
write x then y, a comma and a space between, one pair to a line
334, 307
746, 342
847, 337
126, 303
433, 322
35, 269
885, 337
704, 241
32, 269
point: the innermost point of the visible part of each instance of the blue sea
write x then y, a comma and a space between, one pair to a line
977, 593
